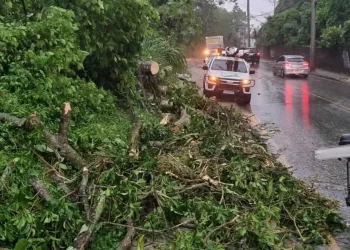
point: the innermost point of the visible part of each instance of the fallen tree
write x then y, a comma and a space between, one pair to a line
105, 180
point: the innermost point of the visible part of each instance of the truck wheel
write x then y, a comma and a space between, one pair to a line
306, 76
245, 99
206, 93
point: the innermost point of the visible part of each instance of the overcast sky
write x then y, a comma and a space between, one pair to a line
258, 9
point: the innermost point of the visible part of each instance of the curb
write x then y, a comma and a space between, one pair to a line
329, 78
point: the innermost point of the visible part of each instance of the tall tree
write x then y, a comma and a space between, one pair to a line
178, 21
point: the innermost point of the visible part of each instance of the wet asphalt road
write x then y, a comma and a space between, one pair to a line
309, 114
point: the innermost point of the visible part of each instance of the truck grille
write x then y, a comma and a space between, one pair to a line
229, 84
229, 81
228, 87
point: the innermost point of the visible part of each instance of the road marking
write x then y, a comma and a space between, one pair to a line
330, 101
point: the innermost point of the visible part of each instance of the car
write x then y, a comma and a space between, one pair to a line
291, 65
251, 55
228, 76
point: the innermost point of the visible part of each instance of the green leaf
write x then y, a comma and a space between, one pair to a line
141, 243
43, 148
22, 244
62, 166
270, 188
100, 4
16, 159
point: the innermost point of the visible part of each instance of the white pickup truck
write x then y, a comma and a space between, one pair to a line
228, 76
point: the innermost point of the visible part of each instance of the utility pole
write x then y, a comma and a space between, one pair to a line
313, 35
248, 21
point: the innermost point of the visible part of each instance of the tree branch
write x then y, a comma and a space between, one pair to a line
125, 244
82, 192
64, 123
40, 189
134, 142
83, 238
65, 150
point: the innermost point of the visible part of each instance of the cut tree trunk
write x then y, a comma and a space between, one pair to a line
149, 68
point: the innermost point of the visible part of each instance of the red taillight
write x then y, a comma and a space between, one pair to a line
306, 64
258, 54
287, 64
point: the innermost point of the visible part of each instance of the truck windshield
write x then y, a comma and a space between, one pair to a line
251, 50
213, 46
229, 65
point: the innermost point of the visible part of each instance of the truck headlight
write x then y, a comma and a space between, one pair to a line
245, 82
213, 79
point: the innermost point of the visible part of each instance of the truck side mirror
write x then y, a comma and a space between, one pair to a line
205, 67
344, 139
251, 72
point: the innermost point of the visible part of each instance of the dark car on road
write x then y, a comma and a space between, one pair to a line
251, 55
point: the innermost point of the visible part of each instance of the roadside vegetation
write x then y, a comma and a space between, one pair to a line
291, 24
95, 154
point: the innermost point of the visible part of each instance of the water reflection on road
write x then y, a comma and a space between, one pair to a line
288, 101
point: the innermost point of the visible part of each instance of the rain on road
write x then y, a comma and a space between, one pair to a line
309, 114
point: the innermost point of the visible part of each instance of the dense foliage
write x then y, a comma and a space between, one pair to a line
36, 61
105, 32
291, 24
287, 4
217, 21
